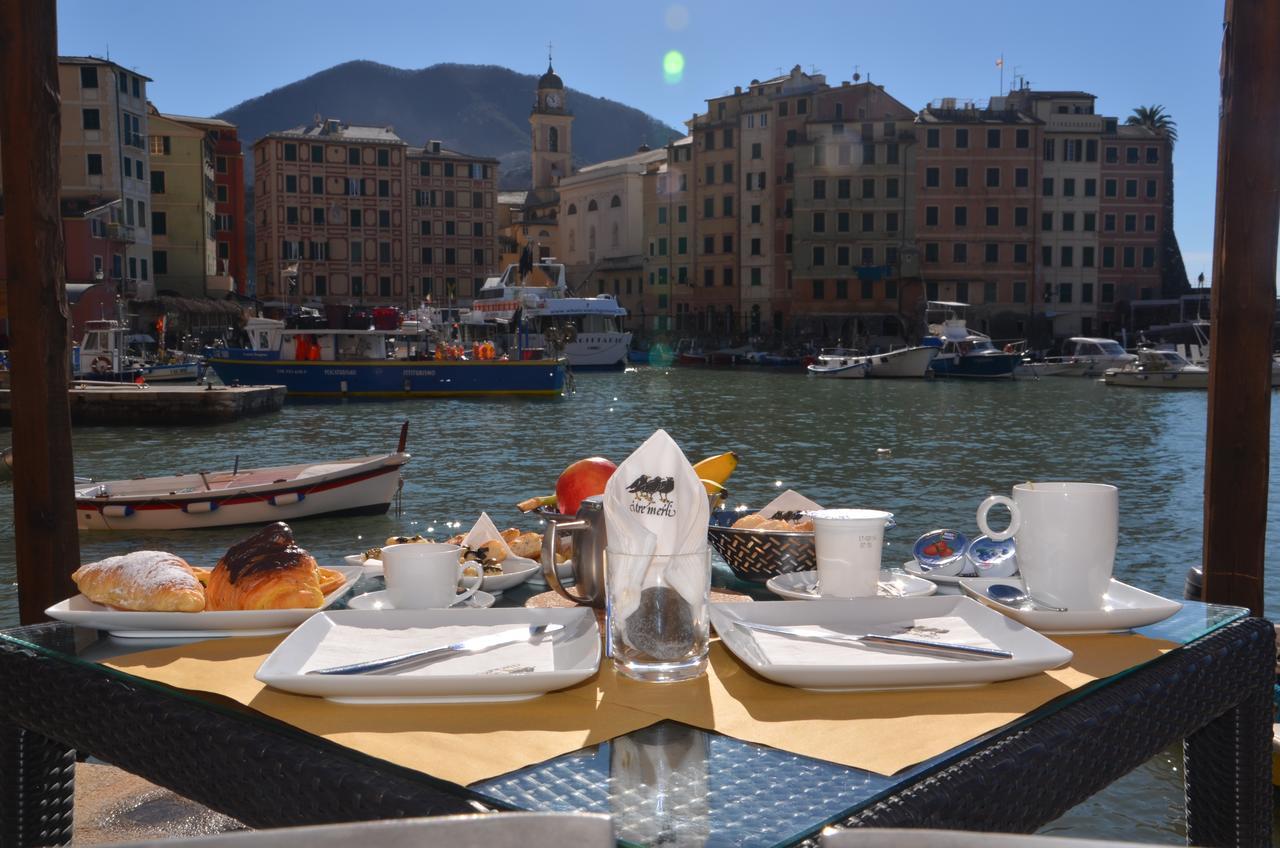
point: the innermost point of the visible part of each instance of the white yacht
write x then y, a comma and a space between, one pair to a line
1159, 369
1089, 357
905, 362
534, 308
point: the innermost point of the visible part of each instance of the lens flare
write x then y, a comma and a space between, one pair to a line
676, 17
673, 67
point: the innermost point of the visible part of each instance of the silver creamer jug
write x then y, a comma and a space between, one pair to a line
587, 532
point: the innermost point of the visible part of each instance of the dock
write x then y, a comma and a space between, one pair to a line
127, 403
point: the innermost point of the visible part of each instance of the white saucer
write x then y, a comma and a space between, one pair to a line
913, 567
802, 585
1124, 607
515, 570
382, 601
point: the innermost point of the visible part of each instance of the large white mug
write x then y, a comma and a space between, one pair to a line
425, 575
848, 544
1066, 539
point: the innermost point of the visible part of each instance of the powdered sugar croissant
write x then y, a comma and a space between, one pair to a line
149, 581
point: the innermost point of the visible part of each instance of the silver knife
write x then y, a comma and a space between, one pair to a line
904, 643
417, 659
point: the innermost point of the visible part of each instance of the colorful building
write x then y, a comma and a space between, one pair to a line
349, 214
184, 250
230, 219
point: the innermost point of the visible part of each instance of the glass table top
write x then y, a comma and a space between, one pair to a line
670, 783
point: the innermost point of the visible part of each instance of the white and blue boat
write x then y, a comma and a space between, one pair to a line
407, 362
962, 352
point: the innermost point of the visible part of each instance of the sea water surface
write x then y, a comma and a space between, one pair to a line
949, 444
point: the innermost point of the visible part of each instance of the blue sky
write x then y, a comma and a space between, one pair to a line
205, 57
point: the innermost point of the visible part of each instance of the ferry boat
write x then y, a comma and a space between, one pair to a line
409, 361
965, 353
535, 310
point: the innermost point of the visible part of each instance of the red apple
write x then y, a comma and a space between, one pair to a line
584, 478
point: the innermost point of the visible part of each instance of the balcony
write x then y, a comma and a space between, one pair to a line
120, 233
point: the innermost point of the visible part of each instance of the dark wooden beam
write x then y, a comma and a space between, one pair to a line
1237, 460
44, 517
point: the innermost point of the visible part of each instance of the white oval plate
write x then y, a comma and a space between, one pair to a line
1124, 607
82, 612
381, 600
802, 585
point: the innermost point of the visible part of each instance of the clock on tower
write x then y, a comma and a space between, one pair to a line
550, 123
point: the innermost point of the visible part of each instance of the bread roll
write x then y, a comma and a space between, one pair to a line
749, 522
527, 545
265, 571
148, 581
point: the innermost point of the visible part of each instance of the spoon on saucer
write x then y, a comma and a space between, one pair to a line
1013, 596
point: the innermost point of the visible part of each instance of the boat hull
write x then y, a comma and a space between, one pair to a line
181, 372
909, 363
1158, 379
992, 366
389, 379
851, 371
365, 491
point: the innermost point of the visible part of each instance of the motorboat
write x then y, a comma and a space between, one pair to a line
962, 352
1037, 368
1159, 369
689, 352
903, 363
532, 308
360, 486
1089, 357
406, 361
841, 364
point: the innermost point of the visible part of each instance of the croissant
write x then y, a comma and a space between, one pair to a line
151, 581
265, 571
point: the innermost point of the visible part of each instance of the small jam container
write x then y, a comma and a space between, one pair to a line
941, 551
992, 559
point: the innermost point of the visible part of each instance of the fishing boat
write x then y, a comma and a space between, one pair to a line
903, 363
690, 352
103, 355
962, 352
840, 364
533, 309
361, 486
411, 360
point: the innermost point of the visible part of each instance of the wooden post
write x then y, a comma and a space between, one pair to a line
44, 517
1243, 306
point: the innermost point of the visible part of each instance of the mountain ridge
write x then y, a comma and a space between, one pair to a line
476, 109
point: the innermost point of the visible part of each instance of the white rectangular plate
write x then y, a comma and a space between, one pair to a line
1124, 607
856, 669
501, 674
83, 612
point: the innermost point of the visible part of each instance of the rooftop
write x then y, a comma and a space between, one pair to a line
191, 119
336, 130
94, 60
640, 157
445, 153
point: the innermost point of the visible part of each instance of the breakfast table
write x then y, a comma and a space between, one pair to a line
719, 769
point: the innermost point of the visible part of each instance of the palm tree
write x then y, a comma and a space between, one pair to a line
1154, 118
1173, 271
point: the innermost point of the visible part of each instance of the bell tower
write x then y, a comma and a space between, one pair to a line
551, 123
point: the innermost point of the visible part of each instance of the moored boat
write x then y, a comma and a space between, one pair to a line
103, 354
361, 486
1159, 369
407, 362
965, 353
841, 364
1089, 357
903, 363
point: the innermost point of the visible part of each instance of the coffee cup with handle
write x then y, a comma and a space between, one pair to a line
1066, 539
426, 576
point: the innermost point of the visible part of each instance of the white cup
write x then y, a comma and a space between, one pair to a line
1066, 539
425, 575
848, 544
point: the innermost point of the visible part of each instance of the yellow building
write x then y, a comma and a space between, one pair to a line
184, 249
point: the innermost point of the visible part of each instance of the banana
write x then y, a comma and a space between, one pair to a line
717, 468
715, 488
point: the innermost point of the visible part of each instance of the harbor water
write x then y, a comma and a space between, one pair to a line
928, 451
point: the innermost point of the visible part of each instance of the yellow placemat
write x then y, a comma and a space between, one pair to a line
462, 743
883, 732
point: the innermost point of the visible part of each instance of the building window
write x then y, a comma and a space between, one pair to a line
1068, 221
962, 292
1151, 188
1046, 186
993, 178
88, 76
756, 152
962, 178
993, 216
991, 253
93, 164
1068, 187
1131, 155
1021, 177
1090, 222
1064, 292
1130, 223
90, 119
1019, 292
1048, 149
819, 189
842, 255
1046, 221
932, 138
1020, 254
137, 92
291, 183
891, 222
819, 222
159, 227
989, 294
962, 138
727, 276
708, 245
960, 252
290, 152
993, 139
708, 207
357, 252
1090, 187
1148, 257
1086, 256
1108, 261
682, 246
960, 216
931, 255
819, 256
1022, 138
818, 293
1153, 155
727, 204
384, 219
384, 251
222, 194
1130, 188
291, 214
755, 213
868, 222
1109, 223
157, 182
1068, 257
357, 285
1108, 292
1112, 155
931, 178
1046, 256
1149, 223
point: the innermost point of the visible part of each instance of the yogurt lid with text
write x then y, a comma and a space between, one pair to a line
941, 551
992, 559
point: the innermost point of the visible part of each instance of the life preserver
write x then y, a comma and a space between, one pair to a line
100, 365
